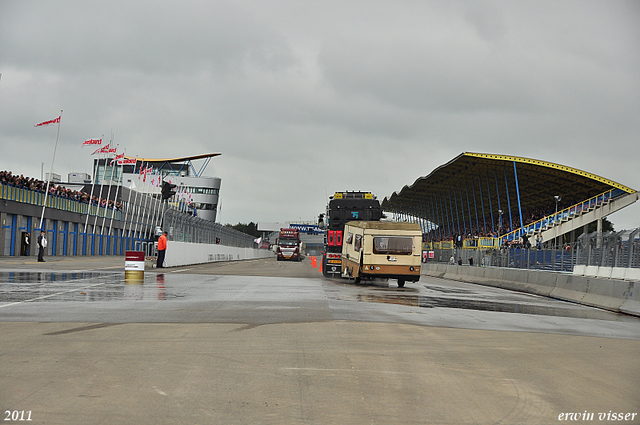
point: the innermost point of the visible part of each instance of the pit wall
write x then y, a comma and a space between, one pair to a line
184, 253
610, 294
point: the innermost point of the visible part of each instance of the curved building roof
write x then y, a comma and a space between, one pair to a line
179, 159
479, 181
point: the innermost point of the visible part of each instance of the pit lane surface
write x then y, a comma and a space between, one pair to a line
274, 342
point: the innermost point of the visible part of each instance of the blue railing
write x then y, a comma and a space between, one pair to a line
564, 215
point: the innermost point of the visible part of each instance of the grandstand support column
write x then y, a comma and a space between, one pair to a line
457, 220
495, 172
475, 205
446, 212
506, 185
466, 188
599, 233
437, 217
484, 218
493, 223
464, 222
515, 174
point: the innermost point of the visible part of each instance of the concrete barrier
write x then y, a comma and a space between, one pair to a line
570, 288
183, 253
611, 294
632, 303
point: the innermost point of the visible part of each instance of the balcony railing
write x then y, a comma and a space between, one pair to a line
27, 196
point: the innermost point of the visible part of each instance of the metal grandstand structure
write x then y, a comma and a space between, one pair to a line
489, 198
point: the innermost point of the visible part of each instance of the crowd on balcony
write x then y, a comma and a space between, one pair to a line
7, 177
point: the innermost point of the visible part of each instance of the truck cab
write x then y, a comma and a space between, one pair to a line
288, 245
342, 208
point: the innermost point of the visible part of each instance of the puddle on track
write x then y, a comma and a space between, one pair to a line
22, 286
559, 308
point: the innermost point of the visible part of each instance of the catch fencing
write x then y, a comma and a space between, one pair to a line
184, 227
608, 249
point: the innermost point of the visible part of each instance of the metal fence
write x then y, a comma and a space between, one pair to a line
609, 249
183, 227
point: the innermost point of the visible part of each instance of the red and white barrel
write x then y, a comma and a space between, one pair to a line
134, 267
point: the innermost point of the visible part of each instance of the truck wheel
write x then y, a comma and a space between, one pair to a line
400, 283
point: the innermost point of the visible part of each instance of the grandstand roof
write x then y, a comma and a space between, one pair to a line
480, 176
184, 161
179, 159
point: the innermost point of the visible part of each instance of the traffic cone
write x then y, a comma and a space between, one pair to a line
320, 267
314, 262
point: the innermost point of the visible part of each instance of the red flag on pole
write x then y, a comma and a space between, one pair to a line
118, 158
91, 142
50, 122
105, 149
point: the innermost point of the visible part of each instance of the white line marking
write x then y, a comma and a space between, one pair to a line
178, 271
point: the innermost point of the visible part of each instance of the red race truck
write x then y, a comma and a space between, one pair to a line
288, 245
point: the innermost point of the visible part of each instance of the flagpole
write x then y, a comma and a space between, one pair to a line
142, 201
145, 211
46, 192
109, 191
95, 222
155, 205
159, 201
126, 213
115, 197
135, 204
93, 182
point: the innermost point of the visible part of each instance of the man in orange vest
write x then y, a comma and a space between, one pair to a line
162, 248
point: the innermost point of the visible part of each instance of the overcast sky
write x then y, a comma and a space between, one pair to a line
305, 98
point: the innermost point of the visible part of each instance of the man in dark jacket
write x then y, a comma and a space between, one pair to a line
42, 244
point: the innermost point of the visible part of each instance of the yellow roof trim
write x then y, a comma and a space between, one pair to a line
551, 165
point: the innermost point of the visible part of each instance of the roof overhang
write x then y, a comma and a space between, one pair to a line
474, 180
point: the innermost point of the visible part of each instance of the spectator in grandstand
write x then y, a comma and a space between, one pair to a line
539, 241
452, 260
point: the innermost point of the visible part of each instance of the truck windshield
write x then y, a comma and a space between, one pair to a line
288, 242
395, 245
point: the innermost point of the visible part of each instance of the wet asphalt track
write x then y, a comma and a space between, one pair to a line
435, 351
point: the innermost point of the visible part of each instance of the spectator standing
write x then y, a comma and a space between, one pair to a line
26, 244
162, 248
42, 244
539, 241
